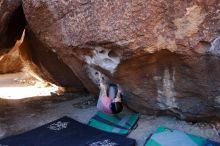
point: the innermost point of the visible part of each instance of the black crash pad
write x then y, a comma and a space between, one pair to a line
67, 132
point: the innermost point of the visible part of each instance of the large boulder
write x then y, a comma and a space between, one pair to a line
164, 54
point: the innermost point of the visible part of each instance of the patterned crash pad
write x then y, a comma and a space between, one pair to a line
67, 132
164, 136
121, 123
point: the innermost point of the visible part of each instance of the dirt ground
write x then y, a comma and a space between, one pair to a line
20, 115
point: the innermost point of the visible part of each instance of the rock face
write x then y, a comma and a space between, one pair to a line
44, 65
164, 54
12, 23
13, 56
11, 62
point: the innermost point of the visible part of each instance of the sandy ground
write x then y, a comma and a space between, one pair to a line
20, 115
20, 85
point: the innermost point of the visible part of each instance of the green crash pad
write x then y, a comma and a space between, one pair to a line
164, 136
121, 123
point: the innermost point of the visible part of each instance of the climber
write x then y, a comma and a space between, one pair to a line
111, 98
109, 101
